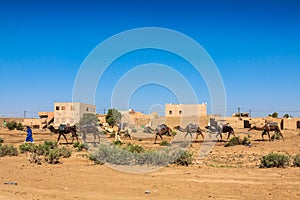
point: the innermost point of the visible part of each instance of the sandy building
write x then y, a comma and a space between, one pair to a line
71, 112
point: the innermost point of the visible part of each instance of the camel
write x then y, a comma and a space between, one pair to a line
89, 128
189, 129
162, 129
266, 130
64, 129
222, 129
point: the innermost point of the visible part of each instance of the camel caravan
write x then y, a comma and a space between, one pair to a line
91, 131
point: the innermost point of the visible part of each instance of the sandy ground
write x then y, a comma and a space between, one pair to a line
226, 173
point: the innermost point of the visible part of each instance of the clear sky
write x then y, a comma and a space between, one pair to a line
255, 45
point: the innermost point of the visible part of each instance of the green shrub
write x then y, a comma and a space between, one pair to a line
238, 141
49, 150
19, 126
53, 156
65, 152
8, 151
185, 159
11, 125
164, 143
50, 144
27, 147
174, 133
274, 160
136, 155
80, 147
76, 144
296, 161
117, 143
276, 136
134, 148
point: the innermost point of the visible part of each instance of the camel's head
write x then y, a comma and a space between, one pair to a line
176, 127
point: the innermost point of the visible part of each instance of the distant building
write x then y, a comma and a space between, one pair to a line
71, 112
185, 110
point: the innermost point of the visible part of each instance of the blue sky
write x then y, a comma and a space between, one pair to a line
255, 45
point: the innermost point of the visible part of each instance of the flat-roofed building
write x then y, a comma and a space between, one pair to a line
71, 112
186, 110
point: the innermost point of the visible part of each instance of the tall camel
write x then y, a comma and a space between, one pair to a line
162, 129
89, 128
64, 129
189, 129
222, 128
266, 130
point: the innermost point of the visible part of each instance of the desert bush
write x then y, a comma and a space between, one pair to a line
27, 147
82, 147
137, 155
19, 126
6, 150
53, 156
296, 160
164, 143
76, 144
49, 150
134, 148
238, 141
117, 143
276, 136
65, 152
274, 160
1, 140
11, 125
185, 159
173, 133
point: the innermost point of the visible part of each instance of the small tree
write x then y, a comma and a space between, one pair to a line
113, 116
287, 116
274, 115
88, 118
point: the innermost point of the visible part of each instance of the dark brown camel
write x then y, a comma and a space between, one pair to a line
267, 129
221, 128
189, 129
62, 130
162, 129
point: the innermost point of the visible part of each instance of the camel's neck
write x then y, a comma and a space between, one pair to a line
181, 129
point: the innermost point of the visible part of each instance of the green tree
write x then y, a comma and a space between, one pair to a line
113, 116
88, 118
274, 115
287, 116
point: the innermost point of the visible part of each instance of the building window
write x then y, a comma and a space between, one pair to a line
180, 112
63, 108
57, 108
170, 112
87, 109
71, 107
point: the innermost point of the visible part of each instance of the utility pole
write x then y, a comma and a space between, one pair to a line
104, 111
250, 113
24, 114
239, 114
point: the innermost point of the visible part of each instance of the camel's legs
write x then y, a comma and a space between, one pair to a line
63, 136
156, 138
199, 133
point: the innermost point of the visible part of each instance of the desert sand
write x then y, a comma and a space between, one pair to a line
226, 173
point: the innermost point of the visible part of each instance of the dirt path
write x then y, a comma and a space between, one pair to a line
222, 175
